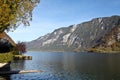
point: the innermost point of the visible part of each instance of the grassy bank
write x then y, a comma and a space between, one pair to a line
6, 57
102, 51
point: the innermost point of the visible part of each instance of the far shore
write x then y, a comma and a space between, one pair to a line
97, 52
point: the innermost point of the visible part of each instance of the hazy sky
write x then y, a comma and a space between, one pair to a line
52, 14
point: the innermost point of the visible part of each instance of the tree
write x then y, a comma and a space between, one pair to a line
15, 12
21, 47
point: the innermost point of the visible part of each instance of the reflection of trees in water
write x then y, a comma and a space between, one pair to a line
17, 65
5, 77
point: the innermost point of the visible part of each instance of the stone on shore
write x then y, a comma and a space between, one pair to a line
5, 67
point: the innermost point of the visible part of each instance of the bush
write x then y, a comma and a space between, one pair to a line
6, 57
21, 47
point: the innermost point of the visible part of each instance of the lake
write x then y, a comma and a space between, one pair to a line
68, 66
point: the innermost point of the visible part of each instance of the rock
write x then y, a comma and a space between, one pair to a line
5, 67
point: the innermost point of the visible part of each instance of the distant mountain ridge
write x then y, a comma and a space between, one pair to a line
80, 37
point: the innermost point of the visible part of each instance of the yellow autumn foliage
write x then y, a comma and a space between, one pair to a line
15, 12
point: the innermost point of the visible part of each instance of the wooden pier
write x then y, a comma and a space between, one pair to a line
22, 57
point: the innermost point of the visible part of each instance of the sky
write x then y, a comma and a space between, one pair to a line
53, 14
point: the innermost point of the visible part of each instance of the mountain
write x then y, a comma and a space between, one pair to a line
80, 37
109, 42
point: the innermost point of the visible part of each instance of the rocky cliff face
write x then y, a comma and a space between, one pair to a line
110, 42
78, 37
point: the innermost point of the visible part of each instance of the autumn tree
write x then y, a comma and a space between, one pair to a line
15, 12
21, 47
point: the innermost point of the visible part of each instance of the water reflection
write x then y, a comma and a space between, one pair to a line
5, 77
70, 66
18, 65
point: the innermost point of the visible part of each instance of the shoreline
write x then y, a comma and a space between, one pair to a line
103, 51
5, 67
97, 52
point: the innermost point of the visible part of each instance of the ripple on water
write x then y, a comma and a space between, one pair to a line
69, 66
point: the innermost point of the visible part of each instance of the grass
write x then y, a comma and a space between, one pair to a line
6, 57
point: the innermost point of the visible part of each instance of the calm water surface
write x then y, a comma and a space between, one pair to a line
68, 66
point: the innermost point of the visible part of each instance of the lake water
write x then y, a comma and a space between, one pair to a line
68, 66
